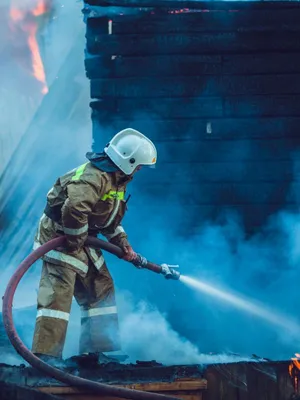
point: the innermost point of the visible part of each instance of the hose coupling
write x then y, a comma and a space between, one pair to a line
170, 272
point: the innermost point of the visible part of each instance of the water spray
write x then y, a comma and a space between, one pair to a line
237, 300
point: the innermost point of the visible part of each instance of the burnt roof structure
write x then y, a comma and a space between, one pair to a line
247, 381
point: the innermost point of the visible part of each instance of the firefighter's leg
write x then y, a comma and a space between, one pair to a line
99, 319
54, 304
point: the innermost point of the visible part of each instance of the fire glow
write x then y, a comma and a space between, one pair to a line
294, 371
27, 20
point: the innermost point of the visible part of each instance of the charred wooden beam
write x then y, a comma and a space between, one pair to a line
167, 22
187, 389
199, 107
191, 43
191, 65
196, 86
194, 4
159, 66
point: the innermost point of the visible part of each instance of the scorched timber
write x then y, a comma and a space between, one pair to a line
201, 107
191, 43
196, 86
236, 381
191, 65
199, 5
163, 23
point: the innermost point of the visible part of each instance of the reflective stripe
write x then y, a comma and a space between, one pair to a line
119, 229
79, 172
98, 261
70, 231
94, 312
113, 214
44, 312
113, 194
58, 256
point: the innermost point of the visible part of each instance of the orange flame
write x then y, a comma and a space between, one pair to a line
29, 25
294, 371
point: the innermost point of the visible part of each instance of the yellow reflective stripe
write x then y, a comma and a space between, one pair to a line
112, 194
79, 172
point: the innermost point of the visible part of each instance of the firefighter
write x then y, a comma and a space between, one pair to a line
89, 200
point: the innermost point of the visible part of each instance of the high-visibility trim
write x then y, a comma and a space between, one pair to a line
58, 256
113, 214
113, 194
94, 312
45, 312
79, 172
98, 261
76, 232
65, 258
119, 229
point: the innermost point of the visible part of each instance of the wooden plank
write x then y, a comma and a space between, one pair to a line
202, 5
191, 65
225, 21
180, 385
185, 389
191, 43
197, 107
196, 86
212, 130
175, 65
268, 63
85, 396
166, 108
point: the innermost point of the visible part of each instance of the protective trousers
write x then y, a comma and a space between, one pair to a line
94, 293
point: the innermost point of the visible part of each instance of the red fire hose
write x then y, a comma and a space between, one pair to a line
55, 373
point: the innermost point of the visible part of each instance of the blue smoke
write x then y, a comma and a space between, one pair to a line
230, 239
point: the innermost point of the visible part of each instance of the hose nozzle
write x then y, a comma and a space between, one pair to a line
170, 272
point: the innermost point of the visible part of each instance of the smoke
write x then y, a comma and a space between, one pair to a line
192, 183
147, 335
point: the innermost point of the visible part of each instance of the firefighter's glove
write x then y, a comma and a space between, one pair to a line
129, 254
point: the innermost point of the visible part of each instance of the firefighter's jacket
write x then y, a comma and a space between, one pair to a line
85, 201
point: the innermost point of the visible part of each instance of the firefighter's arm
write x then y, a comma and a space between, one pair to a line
82, 196
119, 238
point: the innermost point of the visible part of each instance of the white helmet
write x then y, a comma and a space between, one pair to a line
129, 149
